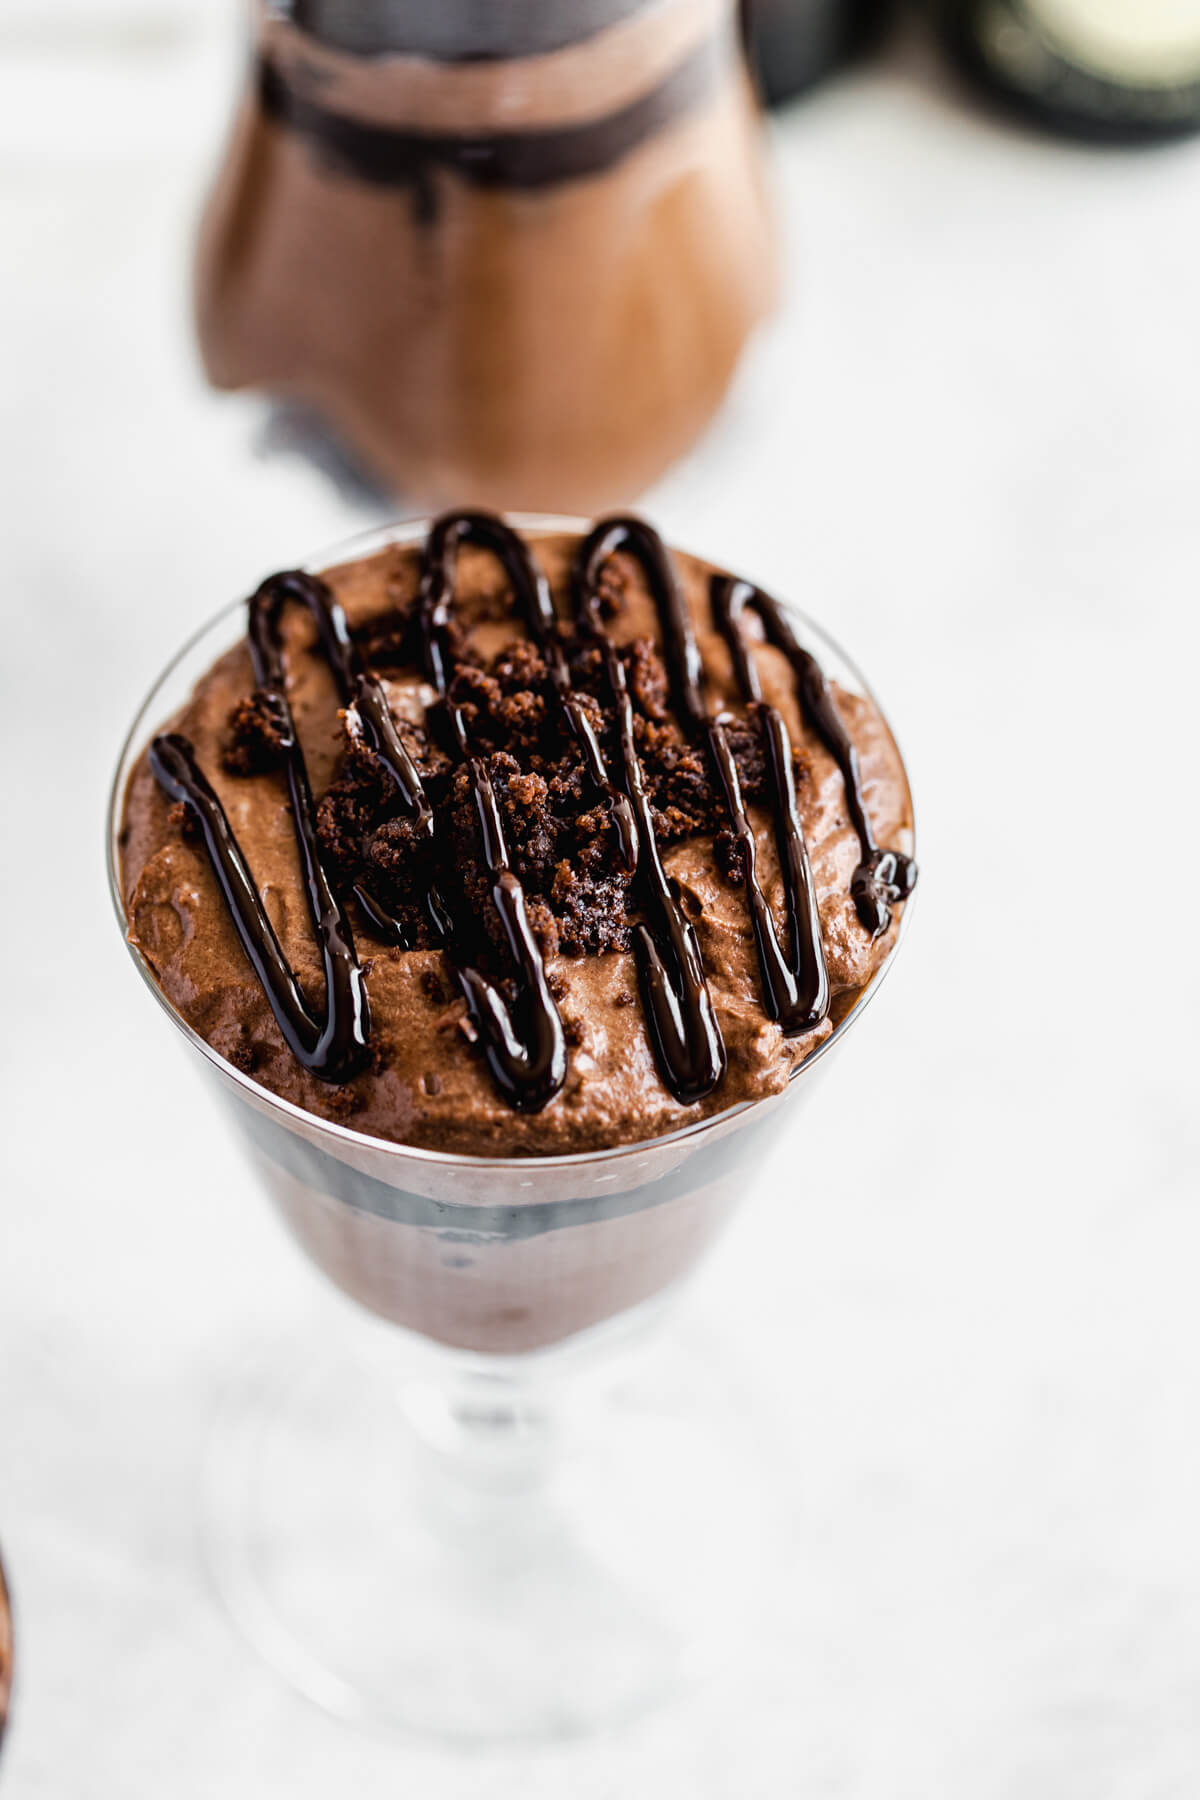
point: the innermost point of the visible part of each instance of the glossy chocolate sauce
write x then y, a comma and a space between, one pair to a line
883, 877
333, 1045
535, 605
530, 1069
524, 1042
795, 981
679, 1008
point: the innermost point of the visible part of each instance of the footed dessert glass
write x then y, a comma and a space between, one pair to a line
493, 1520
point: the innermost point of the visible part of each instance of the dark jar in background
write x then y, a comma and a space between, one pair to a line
509, 254
795, 43
1124, 70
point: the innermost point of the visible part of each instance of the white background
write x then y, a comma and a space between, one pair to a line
967, 1291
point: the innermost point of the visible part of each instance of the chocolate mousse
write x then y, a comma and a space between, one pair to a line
517, 843
508, 252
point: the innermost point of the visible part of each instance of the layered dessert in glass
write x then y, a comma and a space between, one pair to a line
513, 877
507, 252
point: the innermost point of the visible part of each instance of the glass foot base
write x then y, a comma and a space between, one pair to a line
482, 1555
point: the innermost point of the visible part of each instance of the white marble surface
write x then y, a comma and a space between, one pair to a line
967, 1292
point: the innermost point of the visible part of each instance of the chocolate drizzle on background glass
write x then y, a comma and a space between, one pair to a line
524, 1042
526, 160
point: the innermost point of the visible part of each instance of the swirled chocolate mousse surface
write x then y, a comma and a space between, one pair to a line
506, 844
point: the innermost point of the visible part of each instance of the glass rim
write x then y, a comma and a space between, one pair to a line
363, 543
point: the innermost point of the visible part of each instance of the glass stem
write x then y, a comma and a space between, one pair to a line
492, 1432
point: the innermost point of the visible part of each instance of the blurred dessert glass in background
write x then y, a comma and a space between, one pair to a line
511, 256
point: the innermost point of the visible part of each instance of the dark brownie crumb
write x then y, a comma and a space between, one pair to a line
492, 603
255, 743
649, 684
185, 822
730, 855
594, 912
611, 589
367, 839
232, 1040
499, 714
343, 1102
559, 832
434, 988
387, 640
544, 926
243, 1056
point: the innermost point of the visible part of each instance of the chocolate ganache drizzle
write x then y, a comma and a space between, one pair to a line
883, 877
683, 1025
333, 1046
531, 592
524, 1043
796, 987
